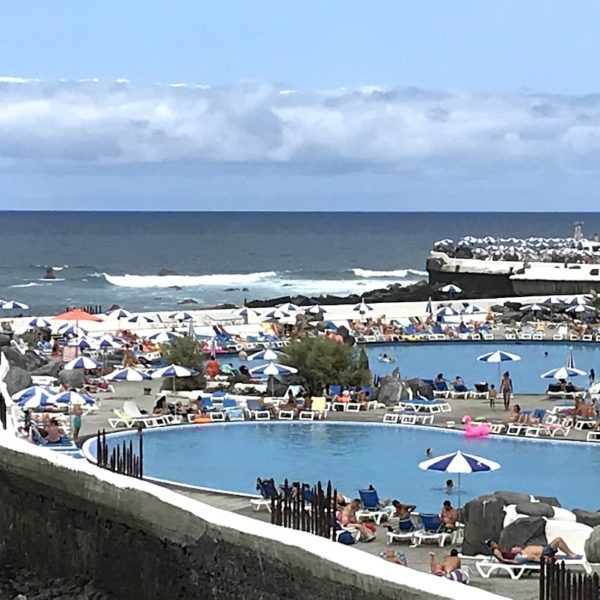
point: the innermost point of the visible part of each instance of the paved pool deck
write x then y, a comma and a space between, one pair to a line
418, 558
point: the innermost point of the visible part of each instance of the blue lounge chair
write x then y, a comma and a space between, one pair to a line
207, 404
372, 506
406, 531
232, 410
266, 489
460, 391
432, 531
257, 411
335, 390
440, 389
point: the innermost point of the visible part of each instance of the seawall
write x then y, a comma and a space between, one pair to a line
137, 540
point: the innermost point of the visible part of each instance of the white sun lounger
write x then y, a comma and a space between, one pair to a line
490, 566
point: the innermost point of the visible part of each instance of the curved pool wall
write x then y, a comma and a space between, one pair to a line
426, 359
229, 457
135, 540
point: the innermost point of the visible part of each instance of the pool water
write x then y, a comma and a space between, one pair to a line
425, 360
231, 457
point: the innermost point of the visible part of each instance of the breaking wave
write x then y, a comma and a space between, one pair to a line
166, 281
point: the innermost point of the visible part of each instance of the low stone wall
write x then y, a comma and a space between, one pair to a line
136, 540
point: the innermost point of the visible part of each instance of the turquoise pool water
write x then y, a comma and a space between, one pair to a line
460, 358
231, 457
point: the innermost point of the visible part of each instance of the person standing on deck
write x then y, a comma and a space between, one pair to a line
506, 387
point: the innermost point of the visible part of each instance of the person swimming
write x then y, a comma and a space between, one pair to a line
429, 452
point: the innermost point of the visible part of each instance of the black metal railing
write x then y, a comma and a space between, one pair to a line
558, 583
304, 507
92, 309
2, 412
121, 458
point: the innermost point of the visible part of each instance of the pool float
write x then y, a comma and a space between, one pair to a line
385, 358
201, 419
473, 431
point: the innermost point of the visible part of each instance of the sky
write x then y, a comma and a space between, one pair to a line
337, 105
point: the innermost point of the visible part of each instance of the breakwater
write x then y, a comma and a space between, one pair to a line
132, 539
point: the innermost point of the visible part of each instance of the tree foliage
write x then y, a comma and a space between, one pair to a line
185, 352
323, 361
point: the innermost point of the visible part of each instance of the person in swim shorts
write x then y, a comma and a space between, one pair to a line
518, 555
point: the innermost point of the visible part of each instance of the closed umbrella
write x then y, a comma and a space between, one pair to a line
81, 362
429, 307
459, 463
128, 374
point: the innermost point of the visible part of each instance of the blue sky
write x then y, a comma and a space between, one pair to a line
385, 105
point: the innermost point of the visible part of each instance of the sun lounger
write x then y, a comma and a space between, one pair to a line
406, 531
496, 427
120, 418
516, 428
232, 410
593, 436
255, 410
391, 418
372, 507
318, 410
582, 423
267, 492
131, 409
285, 415
432, 531
460, 391
481, 391
440, 389
490, 565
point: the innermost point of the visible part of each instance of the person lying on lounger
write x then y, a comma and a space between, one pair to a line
446, 566
518, 555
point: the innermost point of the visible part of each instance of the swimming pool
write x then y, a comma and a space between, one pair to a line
353, 455
421, 359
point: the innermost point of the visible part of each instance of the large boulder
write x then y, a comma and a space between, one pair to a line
574, 534
389, 391
50, 369
592, 546
483, 520
17, 379
527, 530
513, 497
551, 500
28, 361
587, 517
74, 379
535, 509
419, 388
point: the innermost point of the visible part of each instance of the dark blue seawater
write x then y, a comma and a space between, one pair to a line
114, 257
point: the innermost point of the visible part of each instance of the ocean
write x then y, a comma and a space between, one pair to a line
114, 257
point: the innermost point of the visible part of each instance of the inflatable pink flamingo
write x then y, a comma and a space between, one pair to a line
473, 431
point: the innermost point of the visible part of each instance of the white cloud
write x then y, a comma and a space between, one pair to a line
97, 123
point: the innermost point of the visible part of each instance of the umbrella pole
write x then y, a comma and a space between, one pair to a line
458, 491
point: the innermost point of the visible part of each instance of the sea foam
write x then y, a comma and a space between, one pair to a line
166, 281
